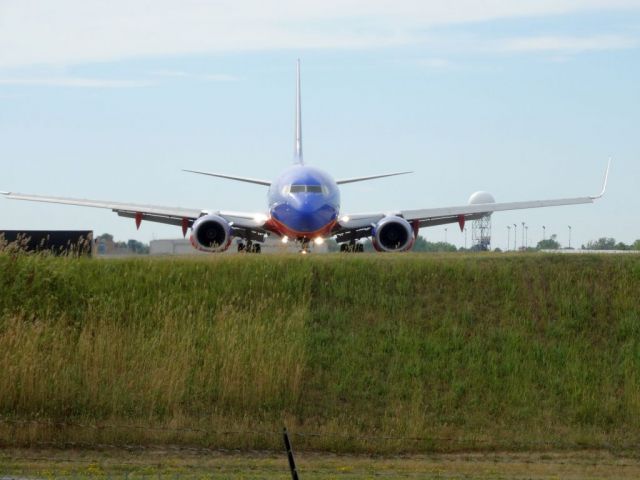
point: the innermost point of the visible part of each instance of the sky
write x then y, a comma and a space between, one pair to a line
524, 99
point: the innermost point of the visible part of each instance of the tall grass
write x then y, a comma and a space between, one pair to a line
456, 351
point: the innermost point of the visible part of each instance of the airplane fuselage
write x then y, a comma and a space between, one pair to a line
304, 203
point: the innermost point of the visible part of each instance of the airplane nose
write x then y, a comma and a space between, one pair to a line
306, 213
309, 203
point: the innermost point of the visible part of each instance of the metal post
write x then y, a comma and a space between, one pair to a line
569, 236
544, 232
526, 237
508, 237
445, 235
292, 462
522, 235
515, 236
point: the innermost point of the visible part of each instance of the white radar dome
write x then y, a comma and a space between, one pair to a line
481, 197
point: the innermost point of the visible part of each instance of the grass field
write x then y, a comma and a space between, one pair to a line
375, 354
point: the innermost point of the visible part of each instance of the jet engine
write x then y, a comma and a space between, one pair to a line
392, 234
211, 233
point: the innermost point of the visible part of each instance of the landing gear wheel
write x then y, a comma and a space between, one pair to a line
359, 247
343, 247
241, 247
256, 248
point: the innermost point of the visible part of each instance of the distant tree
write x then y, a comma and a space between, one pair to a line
636, 245
604, 243
132, 245
622, 246
106, 237
422, 245
549, 243
137, 247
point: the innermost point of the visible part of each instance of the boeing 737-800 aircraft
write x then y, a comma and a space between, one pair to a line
304, 206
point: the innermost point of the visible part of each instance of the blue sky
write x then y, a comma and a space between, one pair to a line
526, 100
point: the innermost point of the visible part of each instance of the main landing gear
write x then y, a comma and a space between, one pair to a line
250, 247
352, 247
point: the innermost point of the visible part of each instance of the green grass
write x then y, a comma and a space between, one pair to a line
457, 352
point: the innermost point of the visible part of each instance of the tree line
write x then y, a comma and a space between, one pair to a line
421, 245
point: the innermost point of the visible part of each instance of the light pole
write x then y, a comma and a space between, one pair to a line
515, 236
544, 232
445, 235
508, 237
526, 237
569, 235
465, 238
523, 235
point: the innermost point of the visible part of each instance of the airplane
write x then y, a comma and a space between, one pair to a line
304, 206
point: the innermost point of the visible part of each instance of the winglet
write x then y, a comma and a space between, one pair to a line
2, 192
297, 154
604, 183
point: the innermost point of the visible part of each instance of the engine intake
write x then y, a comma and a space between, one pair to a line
211, 233
393, 234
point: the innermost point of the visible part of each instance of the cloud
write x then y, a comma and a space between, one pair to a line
79, 82
211, 77
71, 32
566, 45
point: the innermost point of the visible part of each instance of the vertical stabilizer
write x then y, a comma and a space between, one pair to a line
297, 155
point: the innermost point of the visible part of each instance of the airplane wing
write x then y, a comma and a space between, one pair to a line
257, 181
351, 227
183, 217
342, 181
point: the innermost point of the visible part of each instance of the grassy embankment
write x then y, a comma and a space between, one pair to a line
461, 352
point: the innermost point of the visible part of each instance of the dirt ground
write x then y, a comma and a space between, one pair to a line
174, 464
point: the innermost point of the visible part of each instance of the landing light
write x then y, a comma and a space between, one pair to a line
345, 219
319, 241
285, 239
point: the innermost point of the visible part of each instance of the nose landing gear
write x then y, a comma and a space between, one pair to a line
304, 246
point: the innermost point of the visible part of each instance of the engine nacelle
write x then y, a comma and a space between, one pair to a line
392, 234
211, 233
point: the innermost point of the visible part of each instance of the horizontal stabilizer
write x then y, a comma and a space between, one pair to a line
231, 177
372, 177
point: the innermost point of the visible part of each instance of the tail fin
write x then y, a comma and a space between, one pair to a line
297, 154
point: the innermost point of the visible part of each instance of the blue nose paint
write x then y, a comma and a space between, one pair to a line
304, 199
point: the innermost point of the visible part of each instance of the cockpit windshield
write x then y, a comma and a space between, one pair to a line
306, 188
300, 188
